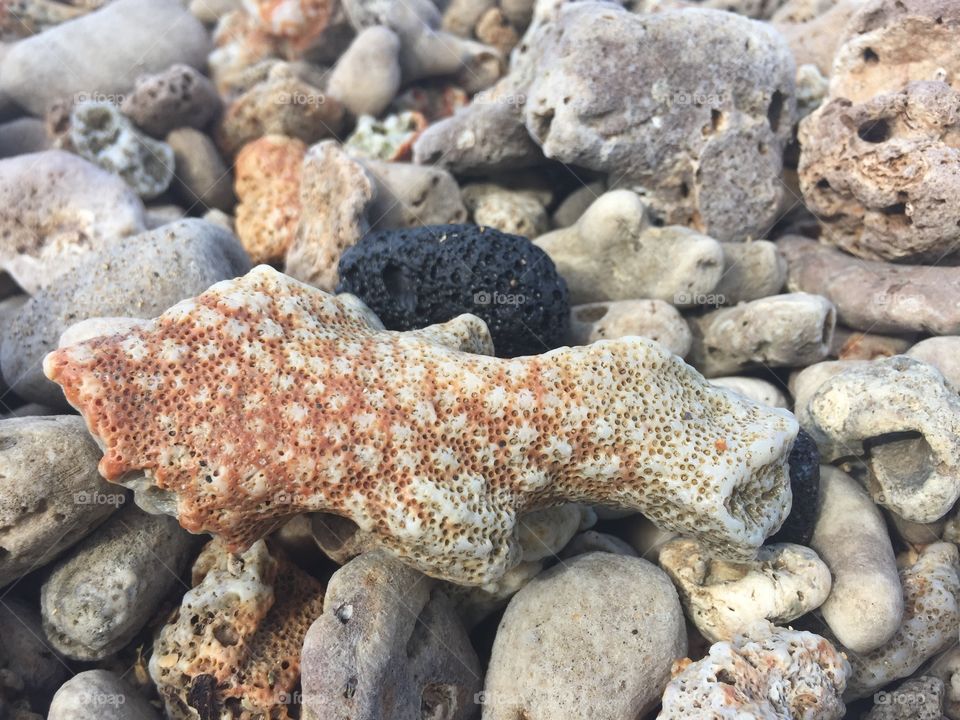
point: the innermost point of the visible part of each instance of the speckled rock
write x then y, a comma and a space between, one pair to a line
389, 139
931, 593
875, 296
54, 207
943, 353
751, 270
127, 38
112, 583
613, 252
918, 699
903, 418
53, 495
865, 606
24, 18
367, 76
726, 599
582, 393
706, 153
202, 180
180, 96
100, 695
772, 673
25, 652
145, 274
654, 319
282, 104
388, 644
414, 278
544, 662
506, 209
494, 29
758, 390
303, 25
879, 174
236, 637
100, 133
879, 52
779, 331
268, 194
336, 192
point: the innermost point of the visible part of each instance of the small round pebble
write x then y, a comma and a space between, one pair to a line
417, 277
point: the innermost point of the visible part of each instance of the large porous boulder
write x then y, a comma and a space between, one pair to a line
703, 148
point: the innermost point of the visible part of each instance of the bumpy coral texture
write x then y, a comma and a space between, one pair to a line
233, 647
781, 674
263, 398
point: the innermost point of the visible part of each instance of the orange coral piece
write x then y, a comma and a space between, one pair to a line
264, 398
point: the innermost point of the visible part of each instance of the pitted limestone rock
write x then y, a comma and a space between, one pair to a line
902, 416
725, 599
770, 672
180, 96
445, 448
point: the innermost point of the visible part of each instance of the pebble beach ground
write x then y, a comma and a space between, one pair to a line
479, 359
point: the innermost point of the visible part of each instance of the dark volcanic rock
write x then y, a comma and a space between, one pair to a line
415, 277
804, 465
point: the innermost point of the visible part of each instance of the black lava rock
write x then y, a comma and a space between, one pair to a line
416, 277
804, 462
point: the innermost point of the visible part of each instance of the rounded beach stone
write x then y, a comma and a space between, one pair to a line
507, 209
367, 76
409, 195
756, 389
116, 43
417, 277
180, 96
113, 582
56, 206
789, 330
804, 463
751, 270
145, 274
599, 605
100, 133
52, 495
855, 345
918, 699
875, 296
23, 135
25, 652
943, 353
613, 252
100, 695
865, 606
654, 319
388, 644
202, 180
725, 599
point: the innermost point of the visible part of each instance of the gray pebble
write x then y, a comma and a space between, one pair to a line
113, 582
23, 135
99, 695
145, 275
52, 493
202, 179
25, 652
180, 96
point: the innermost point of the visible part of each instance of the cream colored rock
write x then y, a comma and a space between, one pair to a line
778, 331
409, 195
903, 417
519, 212
751, 270
56, 206
613, 253
367, 76
815, 30
756, 389
941, 352
335, 194
931, 589
865, 605
725, 599
654, 319
855, 345
771, 673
